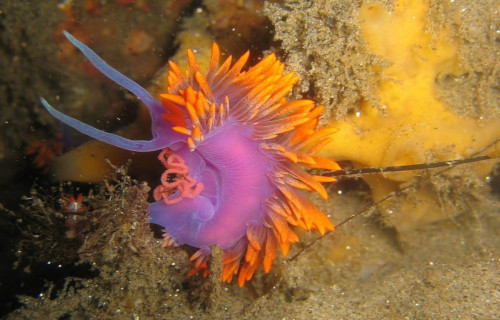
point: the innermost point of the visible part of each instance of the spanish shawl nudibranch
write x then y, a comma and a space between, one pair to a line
233, 150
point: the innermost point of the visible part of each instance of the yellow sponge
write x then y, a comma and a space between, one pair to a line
409, 124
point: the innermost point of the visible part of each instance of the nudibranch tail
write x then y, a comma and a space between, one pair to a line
235, 153
159, 131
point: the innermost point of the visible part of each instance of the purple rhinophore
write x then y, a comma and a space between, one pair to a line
161, 130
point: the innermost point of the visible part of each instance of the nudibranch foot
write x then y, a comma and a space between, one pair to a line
235, 153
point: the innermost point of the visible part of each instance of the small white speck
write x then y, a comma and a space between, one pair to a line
339, 192
431, 263
358, 114
336, 288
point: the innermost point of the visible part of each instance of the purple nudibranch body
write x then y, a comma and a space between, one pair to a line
233, 150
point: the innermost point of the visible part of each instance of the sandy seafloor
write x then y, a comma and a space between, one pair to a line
364, 270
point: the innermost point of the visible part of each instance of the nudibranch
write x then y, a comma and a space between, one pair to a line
234, 152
